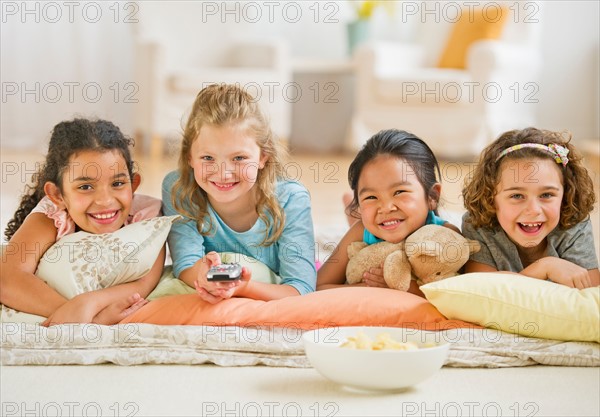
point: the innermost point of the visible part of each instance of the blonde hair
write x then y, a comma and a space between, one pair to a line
480, 189
223, 105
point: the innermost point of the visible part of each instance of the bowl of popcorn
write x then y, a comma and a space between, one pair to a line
375, 358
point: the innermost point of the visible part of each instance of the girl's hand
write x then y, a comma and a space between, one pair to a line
374, 278
209, 291
79, 309
117, 311
567, 273
225, 291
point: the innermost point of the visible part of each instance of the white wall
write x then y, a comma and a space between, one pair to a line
58, 60
569, 87
78, 49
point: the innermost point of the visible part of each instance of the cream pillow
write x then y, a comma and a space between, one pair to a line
82, 262
169, 285
517, 304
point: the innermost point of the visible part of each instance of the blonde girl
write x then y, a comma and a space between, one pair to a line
230, 189
528, 203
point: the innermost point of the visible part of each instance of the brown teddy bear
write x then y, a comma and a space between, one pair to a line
430, 254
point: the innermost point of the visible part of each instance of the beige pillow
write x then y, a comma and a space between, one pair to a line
521, 305
82, 262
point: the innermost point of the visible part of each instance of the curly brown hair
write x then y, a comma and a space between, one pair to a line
67, 139
480, 187
220, 105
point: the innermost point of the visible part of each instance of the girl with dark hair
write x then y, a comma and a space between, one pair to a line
86, 184
395, 192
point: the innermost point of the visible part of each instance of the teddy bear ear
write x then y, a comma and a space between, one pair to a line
354, 248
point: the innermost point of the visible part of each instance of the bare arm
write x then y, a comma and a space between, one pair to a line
22, 290
333, 272
109, 305
19, 287
472, 266
264, 291
555, 269
562, 272
214, 292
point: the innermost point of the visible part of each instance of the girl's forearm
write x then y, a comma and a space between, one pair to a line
536, 270
27, 293
267, 292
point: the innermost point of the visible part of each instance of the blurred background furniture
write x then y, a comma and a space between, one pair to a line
322, 111
169, 82
414, 86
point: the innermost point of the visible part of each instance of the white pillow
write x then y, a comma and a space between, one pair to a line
82, 262
518, 304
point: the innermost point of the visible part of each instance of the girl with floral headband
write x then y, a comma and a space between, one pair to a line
528, 204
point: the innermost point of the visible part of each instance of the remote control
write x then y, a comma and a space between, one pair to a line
224, 272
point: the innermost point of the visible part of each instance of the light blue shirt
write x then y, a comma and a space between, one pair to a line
292, 257
369, 238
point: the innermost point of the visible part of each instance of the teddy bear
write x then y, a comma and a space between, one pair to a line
430, 254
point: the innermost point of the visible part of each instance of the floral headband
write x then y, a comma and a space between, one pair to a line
557, 151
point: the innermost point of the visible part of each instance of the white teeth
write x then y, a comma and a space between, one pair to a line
103, 216
390, 222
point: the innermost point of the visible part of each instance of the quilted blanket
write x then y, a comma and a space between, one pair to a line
136, 344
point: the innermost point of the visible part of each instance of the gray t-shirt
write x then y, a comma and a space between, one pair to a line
575, 245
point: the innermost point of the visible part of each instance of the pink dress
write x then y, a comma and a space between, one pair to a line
142, 207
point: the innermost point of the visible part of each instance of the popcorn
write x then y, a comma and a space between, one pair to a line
383, 341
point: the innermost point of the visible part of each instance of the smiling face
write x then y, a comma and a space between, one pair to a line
528, 200
96, 191
226, 161
392, 201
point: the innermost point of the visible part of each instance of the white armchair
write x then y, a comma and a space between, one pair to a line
456, 111
168, 85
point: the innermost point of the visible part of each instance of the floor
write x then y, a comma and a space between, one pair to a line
324, 175
208, 390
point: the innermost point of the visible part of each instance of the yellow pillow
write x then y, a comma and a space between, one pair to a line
473, 25
517, 304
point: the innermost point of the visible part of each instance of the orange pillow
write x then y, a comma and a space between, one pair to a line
473, 25
344, 306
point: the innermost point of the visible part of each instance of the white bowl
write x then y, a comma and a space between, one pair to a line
375, 369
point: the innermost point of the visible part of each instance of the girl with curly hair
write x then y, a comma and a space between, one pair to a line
86, 183
528, 203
